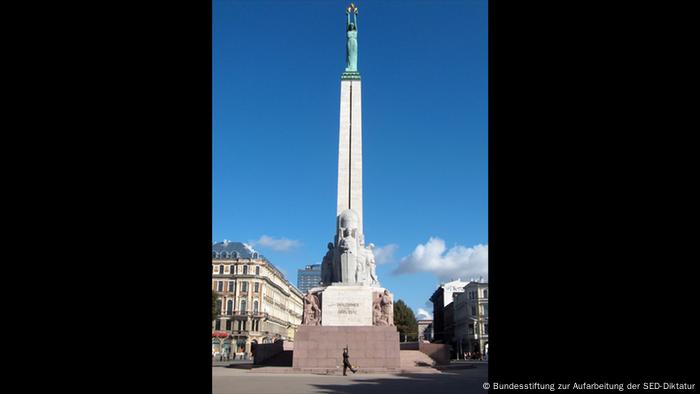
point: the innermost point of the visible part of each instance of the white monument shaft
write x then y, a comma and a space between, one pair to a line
350, 150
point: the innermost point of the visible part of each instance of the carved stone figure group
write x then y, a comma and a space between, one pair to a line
350, 261
312, 310
383, 309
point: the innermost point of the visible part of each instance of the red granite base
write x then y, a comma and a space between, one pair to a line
371, 348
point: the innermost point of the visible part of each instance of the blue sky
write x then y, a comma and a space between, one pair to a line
276, 91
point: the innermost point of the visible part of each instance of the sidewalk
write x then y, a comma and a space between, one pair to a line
225, 363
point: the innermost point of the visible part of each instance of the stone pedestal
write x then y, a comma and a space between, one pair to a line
371, 348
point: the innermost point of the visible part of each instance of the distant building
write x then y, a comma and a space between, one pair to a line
425, 330
257, 303
309, 277
441, 298
471, 314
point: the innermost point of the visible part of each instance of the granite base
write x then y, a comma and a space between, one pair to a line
371, 348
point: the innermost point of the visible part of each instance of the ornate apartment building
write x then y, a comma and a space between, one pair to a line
257, 303
471, 315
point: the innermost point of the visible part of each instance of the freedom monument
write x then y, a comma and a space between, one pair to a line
350, 308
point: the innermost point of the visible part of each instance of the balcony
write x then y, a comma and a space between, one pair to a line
256, 314
236, 313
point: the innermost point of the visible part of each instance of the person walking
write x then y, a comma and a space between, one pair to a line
346, 362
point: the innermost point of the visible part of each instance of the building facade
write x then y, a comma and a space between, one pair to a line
257, 303
471, 313
425, 330
441, 298
309, 277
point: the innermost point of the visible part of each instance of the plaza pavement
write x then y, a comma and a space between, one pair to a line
240, 363
243, 381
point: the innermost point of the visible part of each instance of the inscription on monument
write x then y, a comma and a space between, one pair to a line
347, 306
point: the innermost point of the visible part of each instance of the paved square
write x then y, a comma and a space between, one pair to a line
239, 381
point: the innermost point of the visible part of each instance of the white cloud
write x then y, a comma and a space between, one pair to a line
457, 262
385, 254
278, 244
423, 314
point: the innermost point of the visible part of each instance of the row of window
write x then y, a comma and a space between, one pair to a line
484, 310
241, 325
243, 309
234, 269
474, 293
232, 286
470, 329
230, 255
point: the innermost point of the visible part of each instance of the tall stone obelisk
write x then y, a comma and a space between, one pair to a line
350, 147
350, 135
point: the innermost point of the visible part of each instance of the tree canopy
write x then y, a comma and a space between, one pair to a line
405, 321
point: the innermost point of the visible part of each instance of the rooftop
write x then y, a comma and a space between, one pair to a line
235, 250
226, 250
313, 267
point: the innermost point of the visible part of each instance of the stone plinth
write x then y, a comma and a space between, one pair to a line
371, 348
347, 305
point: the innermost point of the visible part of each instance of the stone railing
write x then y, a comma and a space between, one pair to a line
439, 352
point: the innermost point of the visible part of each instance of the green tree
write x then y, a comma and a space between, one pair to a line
405, 321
